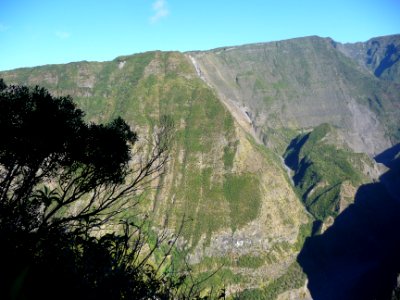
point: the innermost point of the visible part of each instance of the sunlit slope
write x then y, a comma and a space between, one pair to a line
326, 174
238, 204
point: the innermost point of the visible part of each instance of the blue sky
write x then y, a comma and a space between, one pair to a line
37, 32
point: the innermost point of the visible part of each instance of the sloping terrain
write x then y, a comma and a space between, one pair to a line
239, 207
328, 109
272, 143
326, 175
357, 257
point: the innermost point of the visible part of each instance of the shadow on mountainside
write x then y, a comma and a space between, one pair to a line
388, 157
358, 257
391, 159
391, 57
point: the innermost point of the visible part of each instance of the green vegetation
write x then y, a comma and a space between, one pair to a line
222, 267
305, 231
229, 155
124, 88
321, 169
251, 294
279, 138
294, 278
202, 185
250, 261
243, 195
58, 194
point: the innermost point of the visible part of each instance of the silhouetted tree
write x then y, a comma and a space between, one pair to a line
60, 180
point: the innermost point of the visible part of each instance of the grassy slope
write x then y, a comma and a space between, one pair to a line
321, 169
217, 179
141, 99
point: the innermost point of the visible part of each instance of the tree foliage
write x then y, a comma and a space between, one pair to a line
62, 179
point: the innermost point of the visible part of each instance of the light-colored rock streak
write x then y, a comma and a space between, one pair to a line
288, 170
239, 113
197, 68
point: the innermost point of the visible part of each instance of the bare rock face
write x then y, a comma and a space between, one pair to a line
364, 132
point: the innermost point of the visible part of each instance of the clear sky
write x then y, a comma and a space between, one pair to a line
37, 32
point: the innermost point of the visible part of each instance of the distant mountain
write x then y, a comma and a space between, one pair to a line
273, 142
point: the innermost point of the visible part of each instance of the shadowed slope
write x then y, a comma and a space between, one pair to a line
357, 258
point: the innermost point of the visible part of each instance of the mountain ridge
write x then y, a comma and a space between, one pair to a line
209, 50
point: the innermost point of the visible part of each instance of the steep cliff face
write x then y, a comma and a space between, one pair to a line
304, 82
239, 207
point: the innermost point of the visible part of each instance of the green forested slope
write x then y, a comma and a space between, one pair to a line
239, 208
326, 175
